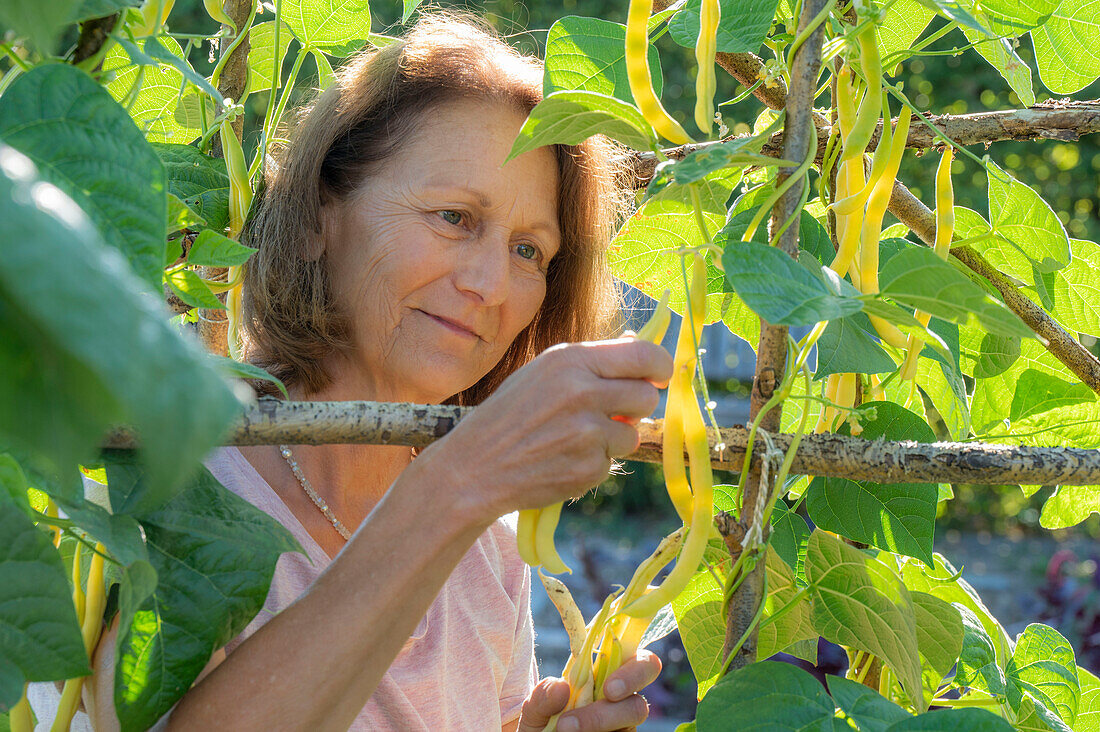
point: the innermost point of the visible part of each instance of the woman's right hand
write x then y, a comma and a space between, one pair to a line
550, 431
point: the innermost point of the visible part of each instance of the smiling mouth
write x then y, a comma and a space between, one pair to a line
452, 326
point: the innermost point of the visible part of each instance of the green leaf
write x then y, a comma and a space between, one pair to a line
781, 290
571, 117
261, 54
767, 695
999, 53
902, 24
1044, 668
939, 636
1069, 506
977, 668
860, 602
325, 74
793, 625
898, 517
326, 24
789, 537
87, 9
699, 616
743, 26
917, 278
952, 720
954, 10
945, 583
151, 94
159, 53
199, 180
1066, 48
39, 631
14, 482
408, 8
1016, 17
212, 249
40, 22
1019, 214
239, 370
1076, 290
214, 555
871, 711
1038, 392
86, 145
587, 54
93, 349
645, 251
180, 217
846, 346
996, 355
190, 288
1088, 709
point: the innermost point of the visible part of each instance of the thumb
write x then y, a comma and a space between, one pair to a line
548, 698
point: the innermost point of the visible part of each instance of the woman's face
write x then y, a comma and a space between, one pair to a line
440, 257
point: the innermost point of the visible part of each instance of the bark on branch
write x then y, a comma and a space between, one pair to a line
272, 422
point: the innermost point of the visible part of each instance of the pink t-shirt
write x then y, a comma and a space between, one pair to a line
471, 661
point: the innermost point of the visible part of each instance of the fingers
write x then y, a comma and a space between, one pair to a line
630, 398
632, 676
622, 439
627, 358
548, 698
606, 715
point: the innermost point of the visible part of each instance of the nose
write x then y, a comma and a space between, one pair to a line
483, 269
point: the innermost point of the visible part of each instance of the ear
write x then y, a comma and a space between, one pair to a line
316, 246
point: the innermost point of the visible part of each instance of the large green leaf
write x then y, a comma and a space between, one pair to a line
1038, 392
1069, 506
327, 24
902, 24
699, 617
1067, 47
212, 249
789, 537
199, 180
86, 145
1020, 214
214, 554
587, 54
918, 278
1088, 709
793, 625
90, 348
767, 695
846, 346
1001, 56
39, 631
952, 720
939, 638
1016, 17
1076, 291
781, 290
977, 668
898, 517
86, 9
860, 602
153, 95
871, 711
698, 164
39, 21
570, 117
261, 54
645, 251
1043, 667
742, 28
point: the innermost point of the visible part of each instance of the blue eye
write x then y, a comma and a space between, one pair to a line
527, 251
451, 217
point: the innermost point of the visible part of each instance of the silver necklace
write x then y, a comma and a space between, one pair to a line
317, 500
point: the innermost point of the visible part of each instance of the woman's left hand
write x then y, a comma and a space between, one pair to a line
622, 708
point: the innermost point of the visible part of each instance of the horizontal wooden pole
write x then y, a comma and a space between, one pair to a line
273, 422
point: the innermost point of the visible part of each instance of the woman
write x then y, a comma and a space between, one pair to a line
401, 260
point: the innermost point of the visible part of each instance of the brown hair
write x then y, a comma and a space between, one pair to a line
290, 321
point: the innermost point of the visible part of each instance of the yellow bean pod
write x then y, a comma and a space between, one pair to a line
638, 76
706, 84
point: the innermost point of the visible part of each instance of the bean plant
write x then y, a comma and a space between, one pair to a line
948, 340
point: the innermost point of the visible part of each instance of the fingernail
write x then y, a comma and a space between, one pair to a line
568, 724
615, 688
